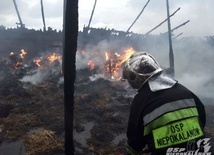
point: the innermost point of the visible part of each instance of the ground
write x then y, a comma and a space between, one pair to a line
32, 116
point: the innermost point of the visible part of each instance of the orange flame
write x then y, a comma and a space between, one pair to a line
43, 60
114, 66
17, 60
54, 57
107, 56
23, 53
128, 52
91, 64
113, 62
37, 61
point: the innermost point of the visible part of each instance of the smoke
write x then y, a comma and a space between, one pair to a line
96, 53
38, 77
194, 65
91, 52
50, 71
96, 77
193, 61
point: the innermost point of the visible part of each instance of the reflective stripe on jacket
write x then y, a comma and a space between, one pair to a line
153, 110
169, 112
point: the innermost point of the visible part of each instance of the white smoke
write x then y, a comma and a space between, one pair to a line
194, 65
38, 77
193, 60
96, 53
96, 77
43, 73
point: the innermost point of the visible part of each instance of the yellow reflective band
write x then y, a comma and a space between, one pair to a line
169, 117
168, 107
176, 133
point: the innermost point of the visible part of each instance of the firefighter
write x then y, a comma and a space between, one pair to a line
164, 114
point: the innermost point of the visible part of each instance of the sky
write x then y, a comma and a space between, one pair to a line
115, 14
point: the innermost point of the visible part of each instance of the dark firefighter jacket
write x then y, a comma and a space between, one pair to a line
164, 108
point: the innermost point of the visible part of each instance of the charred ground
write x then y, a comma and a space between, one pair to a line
33, 116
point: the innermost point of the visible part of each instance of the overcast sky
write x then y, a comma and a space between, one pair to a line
116, 14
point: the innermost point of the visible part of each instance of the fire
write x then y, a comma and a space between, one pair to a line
107, 56
47, 60
127, 54
52, 57
38, 61
118, 55
108, 63
115, 65
23, 52
11, 53
91, 64
16, 60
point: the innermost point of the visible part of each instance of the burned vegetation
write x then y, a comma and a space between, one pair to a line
32, 106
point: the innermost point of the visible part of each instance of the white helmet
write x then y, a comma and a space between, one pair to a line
139, 68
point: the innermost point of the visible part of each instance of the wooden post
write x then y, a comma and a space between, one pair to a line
138, 16
70, 33
92, 13
162, 22
43, 16
17, 11
171, 56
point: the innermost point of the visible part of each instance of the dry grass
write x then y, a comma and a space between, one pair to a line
15, 126
42, 142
